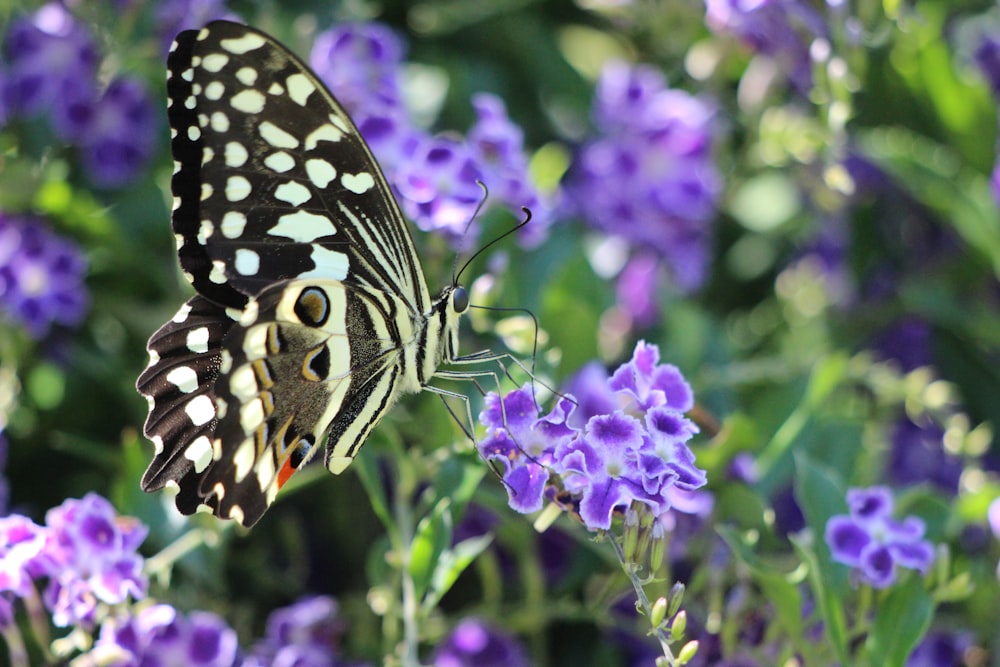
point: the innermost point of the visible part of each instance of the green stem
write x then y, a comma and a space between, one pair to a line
15, 646
640, 593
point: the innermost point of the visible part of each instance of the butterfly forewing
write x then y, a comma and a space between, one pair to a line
273, 180
310, 292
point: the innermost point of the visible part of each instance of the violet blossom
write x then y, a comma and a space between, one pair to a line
871, 542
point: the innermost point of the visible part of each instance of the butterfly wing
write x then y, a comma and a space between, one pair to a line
275, 193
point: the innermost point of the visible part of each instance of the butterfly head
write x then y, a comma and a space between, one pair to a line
449, 306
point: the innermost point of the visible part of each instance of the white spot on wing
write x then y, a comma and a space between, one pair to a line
247, 75
197, 340
248, 101
237, 188
182, 314
184, 378
194, 134
293, 193
320, 172
236, 154
329, 264
275, 136
299, 88
243, 383
214, 62
220, 122
241, 45
215, 90
233, 223
200, 453
279, 162
358, 183
200, 409
205, 231
247, 262
303, 226
323, 133
218, 273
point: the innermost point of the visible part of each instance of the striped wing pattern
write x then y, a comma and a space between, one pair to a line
312, 315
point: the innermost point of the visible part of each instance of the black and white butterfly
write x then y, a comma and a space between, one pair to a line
312, 316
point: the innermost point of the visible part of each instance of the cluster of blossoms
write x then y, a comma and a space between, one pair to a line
871, 542
633, 454
649, 178
41, 276
435, 176
86, 553
51, 65
307, 633
780, 29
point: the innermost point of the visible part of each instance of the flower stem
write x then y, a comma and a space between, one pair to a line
640, 592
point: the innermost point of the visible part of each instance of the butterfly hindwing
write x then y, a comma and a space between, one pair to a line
309, 288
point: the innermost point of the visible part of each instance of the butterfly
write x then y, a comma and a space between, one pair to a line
311, 316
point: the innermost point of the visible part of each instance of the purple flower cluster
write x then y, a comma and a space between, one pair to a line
435, 176
51, 66
873, 543
160, 636
41, 276
650, 178
474, 643
306, 634
636, 452
86, 552
781, 29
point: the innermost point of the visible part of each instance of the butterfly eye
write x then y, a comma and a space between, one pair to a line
460, 299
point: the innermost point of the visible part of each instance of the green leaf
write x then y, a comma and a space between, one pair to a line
902, 620
935, 175
366, 466
827, 599
432, 538
451, 564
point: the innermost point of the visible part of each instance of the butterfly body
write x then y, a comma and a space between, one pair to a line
312, 316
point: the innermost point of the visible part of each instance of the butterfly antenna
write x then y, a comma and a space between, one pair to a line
468, 226
512, 230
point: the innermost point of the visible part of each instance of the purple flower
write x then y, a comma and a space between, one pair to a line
907, 342
305, 634
941, 649
650, 383
435, 177
360, 62
41, 276
160, 636
49, 55
781, 29
649, 178
473, 643
498, 146
118, 138
995, 183
872, 543
438, 185
634, 452
987, 56
521, 443
589, 387
91, 556
918, 455
637, 291
21, 544
173, 16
